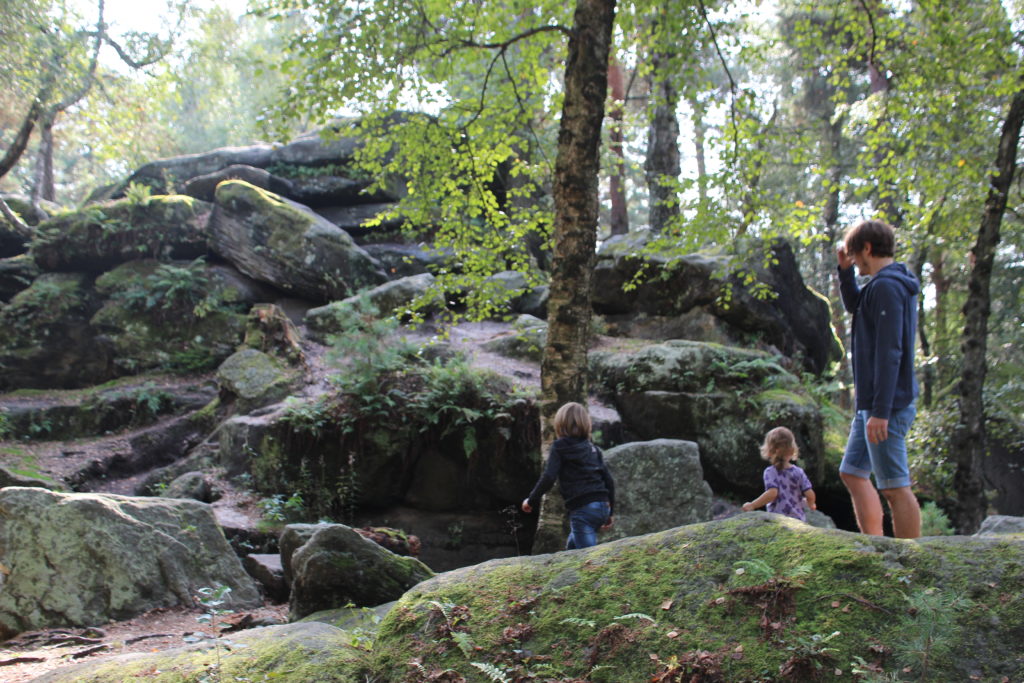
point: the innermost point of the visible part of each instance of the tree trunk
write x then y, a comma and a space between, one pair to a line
830, 215
700, 130
617, 173
575, 191
969, 437
42, 188
662, 165
21, 138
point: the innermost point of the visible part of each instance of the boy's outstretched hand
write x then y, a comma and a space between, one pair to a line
607, 525
527, 508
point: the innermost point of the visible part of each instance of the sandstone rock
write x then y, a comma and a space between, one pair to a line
659, 485
192, 486
722, 398
995, 525
266, 569
285, 244
255, 379
797, 321
204, 187
16, 274
45, 338
525, 341
383, 300
337, 566
84, 559
96, 238
313, 651
649, 592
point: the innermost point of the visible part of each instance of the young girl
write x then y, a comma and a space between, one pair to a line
785, 485
583, 479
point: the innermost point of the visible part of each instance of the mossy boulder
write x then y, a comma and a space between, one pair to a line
526, 340
658, 485
428, 460
16, 274
280, 242
84, 559
383, 300
255, 379
337, 567
683, 295
725, 399
311, 651
101, 236
167, 316
754, 597
45, 338
128, 402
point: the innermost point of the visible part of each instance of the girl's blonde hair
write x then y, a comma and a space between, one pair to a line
572, 419
779, 447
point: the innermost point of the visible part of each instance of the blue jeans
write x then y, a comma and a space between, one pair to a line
887, 459
584, 522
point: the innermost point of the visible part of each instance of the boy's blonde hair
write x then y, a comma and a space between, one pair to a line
779, 447
572, 419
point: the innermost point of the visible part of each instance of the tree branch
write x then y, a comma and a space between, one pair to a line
20, 226
728, 74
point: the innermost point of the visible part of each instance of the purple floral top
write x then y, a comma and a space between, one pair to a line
791, 483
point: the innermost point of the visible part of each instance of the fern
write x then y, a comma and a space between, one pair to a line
576, 621
636, 615
493, 672
464, 641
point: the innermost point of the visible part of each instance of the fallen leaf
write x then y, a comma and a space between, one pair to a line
667, 605
838, 672
672, 634
741, 571
835, 603
846, 609
719, 601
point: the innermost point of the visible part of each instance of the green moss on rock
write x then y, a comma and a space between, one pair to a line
620, 611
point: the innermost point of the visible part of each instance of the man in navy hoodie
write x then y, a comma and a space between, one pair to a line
883, 334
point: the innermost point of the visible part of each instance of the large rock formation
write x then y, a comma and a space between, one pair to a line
696, 297
45, 337
724, 399
753, 597
85, 559
100, 237
285, 244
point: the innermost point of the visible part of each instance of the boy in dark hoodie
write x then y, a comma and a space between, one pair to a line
883, 335
584, 480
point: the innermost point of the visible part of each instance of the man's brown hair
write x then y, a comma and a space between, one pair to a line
879, 234
572, 419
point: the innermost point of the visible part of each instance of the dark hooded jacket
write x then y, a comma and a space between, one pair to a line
883, 335
582, 476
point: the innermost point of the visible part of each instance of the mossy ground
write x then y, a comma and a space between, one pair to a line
625, 610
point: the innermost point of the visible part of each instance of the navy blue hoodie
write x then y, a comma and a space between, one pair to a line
883, 336
582, 476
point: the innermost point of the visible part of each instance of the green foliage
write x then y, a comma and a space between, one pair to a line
934, 521
279, 510
6, 430
758, 571
138, 194
934, 619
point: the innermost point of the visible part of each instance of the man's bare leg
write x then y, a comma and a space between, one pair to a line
866, 505
906, 513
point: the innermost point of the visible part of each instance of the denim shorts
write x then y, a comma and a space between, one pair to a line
886, 459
